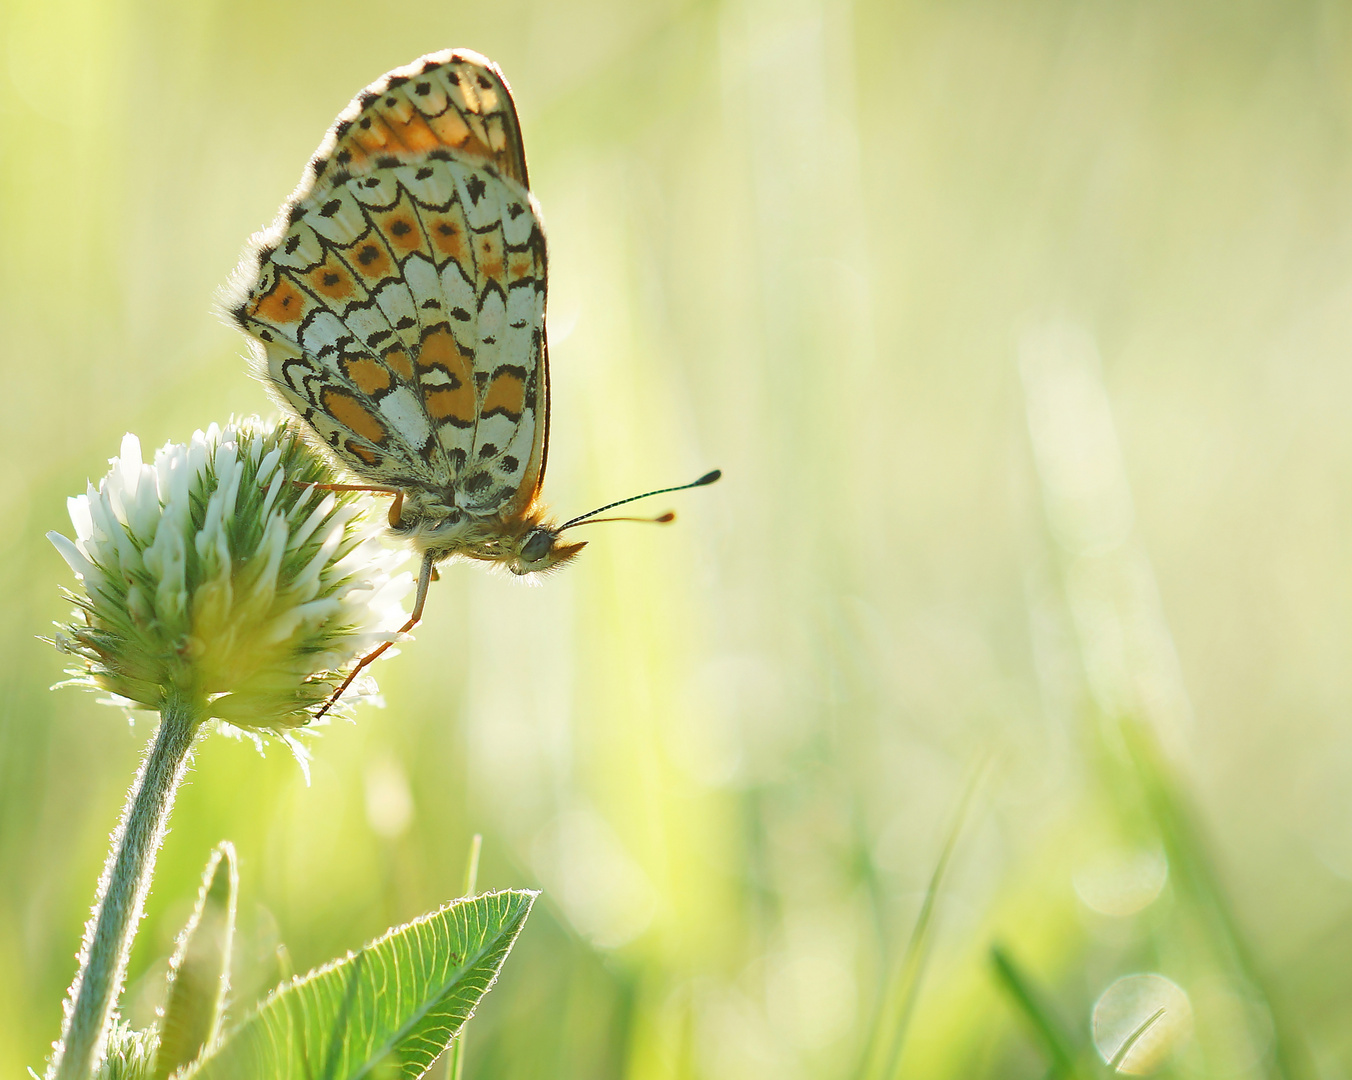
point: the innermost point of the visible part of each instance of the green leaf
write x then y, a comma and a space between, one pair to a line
392, 1007
199, 973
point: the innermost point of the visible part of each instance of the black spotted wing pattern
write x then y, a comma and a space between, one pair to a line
399, 300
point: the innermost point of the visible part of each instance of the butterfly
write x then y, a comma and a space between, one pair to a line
397, 307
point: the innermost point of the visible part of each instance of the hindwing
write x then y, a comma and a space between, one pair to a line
399, 299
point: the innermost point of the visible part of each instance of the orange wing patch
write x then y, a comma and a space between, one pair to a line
506, 395
448, 235
451, 129
352, 414
330, 278
452, 405
453, 399
490, 255
362, 453
441, 352
413, 132
397, 361
283, 304
371, 259
400, 229
368, 375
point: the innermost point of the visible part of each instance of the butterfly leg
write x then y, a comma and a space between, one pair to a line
424, 579
347, 487
396, 507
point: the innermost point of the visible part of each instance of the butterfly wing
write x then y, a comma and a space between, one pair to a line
399, 298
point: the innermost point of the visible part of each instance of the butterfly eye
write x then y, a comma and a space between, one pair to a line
537, 545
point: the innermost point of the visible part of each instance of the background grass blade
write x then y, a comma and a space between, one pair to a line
883, 1055
1131, 1040
1194, 870
1055, 1041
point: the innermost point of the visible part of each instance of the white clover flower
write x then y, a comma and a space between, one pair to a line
212, 577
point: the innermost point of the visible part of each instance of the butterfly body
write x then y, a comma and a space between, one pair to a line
522, 543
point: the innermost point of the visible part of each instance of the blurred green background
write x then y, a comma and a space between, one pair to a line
1021, 331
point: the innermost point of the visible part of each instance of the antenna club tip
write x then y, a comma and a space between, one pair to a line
666, 518
707, 478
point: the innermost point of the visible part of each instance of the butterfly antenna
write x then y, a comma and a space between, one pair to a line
661, 519
707, 478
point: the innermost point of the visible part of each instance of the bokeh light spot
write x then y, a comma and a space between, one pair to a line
1121, 882
1127, 1005
389, 802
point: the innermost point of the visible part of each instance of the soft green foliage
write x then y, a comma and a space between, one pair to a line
395, 1005
199, 972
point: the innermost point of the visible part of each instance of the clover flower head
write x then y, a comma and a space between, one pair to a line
215, 576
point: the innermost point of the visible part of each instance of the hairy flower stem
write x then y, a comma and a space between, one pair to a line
122, 892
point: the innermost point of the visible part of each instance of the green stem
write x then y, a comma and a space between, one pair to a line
122, 893
455, 1059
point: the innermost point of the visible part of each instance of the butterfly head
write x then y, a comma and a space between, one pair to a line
538, 549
